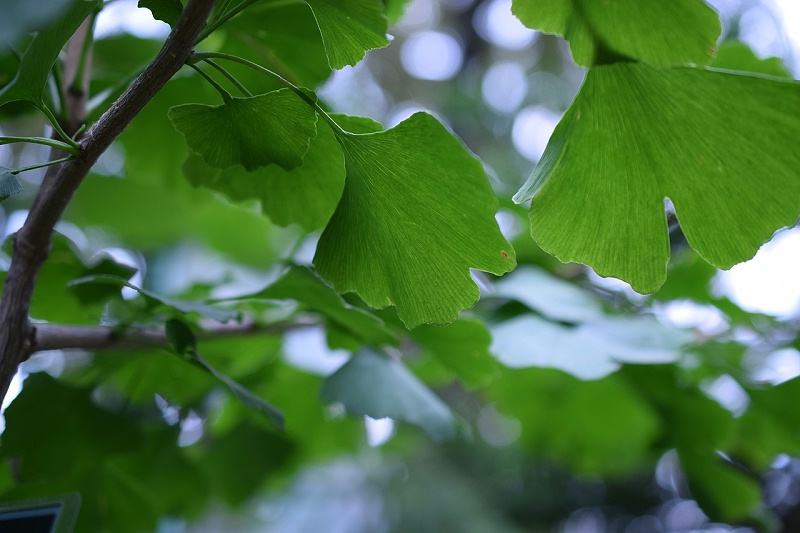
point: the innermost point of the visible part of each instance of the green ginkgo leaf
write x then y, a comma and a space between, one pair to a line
377, 386
38, 59
164, 10
276, 127
306, 195
349, 29
711, 142
661, 33
9, 183
417, 212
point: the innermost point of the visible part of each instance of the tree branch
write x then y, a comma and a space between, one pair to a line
32, 242
61, 337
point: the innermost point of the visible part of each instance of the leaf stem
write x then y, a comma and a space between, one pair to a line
58, 129
226, 96
52, 143
42, 165
225, 17
297, 90
230, 76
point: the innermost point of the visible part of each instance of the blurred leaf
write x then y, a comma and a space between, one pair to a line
598, 427
9, 184
276, 127
414, 184
660, 33
240, 462
21, 16
462, 347
100, 293
300, 284
182, 339
588, 351
182, 306
164, 10
545, 293
636, 135
377, 386
349, 29
733, 55
38, 59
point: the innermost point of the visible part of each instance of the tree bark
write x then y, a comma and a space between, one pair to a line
31, 245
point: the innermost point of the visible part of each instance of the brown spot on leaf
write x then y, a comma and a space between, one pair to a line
504, 254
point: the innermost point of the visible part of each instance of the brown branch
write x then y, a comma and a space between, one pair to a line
32, 242
60, 337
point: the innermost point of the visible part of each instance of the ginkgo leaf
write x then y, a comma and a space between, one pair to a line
349, 29
711, 142
545, 293
21, 17
9, 183
661, 33
302, 285
734, 55
38, 59
164, 10
306, 195
377, 386
276, 127
589, 351
417, 212
462, 347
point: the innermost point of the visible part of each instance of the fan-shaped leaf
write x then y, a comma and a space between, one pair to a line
416, 214
276, 127
377, 386
661, 33
349, 29
712, 142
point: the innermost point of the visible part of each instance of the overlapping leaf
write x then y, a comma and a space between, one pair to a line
712, 142
276, 127
660, 33
417, 212
40, 55
349, 29
377, 386
306, 195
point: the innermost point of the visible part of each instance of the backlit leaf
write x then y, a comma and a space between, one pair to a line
349, 29
377, 386
417, 212
636, 135
276, 127
660, 33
